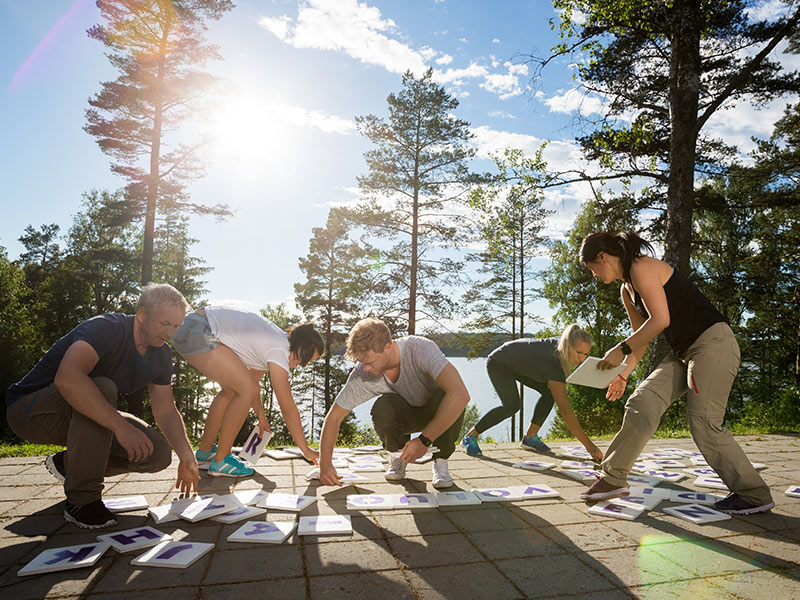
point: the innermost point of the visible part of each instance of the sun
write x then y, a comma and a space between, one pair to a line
249, 134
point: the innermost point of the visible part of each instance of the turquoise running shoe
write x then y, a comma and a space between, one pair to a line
470, 445
534, 443
205, 458
230, 467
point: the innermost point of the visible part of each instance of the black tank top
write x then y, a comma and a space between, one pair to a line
690, 312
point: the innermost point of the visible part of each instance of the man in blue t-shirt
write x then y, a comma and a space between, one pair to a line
70, 398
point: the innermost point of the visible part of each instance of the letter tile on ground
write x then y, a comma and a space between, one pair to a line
250, 497
293, 502
371, 501
516, 492
534, 465
618, 511
665, 463
205, 507
116, 505
793, 491
459, 498
694, 497
280, 455
263, 532
645, 502
134, 539
696, 513
582, 474
653, 492
163, 514
714, 483
664, 475
325, 525
643, 480
62, 559
577, 464
239, 514
175, 555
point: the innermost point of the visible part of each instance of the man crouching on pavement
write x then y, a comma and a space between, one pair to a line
70, 398
418, 390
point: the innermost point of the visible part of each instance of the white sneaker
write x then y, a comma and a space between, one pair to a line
441, 474
397, 467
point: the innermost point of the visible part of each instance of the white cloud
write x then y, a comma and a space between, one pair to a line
495, 41
737, 125
351, 27
768, 10
501, 114
506, 85
313, 119
574, 100
459, 76
444, 59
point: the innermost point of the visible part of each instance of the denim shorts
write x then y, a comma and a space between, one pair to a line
194, 336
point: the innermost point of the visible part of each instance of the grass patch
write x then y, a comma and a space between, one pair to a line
13, 450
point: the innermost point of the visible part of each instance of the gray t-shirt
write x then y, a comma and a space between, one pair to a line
421, 361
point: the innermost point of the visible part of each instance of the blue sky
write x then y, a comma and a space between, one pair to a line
287, 146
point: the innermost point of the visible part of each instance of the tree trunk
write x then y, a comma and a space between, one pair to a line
684, 89
412, 287
521, 255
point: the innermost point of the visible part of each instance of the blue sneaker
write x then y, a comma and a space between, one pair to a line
534, 443
470, 445
229, 467
205, 458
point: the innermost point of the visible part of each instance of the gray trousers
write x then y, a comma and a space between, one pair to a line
705, 373
394, 419
93, 453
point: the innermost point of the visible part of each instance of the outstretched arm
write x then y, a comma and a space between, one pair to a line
171, 424
279, 379
327, 442
559, 391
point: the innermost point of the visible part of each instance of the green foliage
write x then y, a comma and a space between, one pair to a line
417, 168
471, 417
16, 450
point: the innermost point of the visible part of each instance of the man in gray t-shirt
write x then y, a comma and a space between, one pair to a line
418, 390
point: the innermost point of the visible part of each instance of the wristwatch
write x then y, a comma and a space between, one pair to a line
427, 442
625, 348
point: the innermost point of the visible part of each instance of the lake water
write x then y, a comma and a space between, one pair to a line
482, 395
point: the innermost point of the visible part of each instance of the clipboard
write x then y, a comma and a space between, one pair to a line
589, 375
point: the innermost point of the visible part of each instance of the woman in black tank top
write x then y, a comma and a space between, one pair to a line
703, 364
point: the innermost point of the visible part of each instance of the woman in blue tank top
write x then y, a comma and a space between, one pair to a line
703, 364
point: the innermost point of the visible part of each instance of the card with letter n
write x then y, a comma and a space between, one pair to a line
293, 502
175, 555
793, 491
461, 498
116, 505
254, 446
696, 513
325, 525
263, 532
534, 465
68, 557
617, 511
134, 539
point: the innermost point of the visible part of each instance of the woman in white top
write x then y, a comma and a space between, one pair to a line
236, 348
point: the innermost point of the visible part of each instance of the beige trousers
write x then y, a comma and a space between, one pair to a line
705, 373
93, 453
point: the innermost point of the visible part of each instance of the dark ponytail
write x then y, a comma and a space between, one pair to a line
304, 340
626, 245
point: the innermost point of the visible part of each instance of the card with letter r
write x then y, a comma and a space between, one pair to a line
696, 513
134, 539
263, 532
253, 448
68, 557
175, 555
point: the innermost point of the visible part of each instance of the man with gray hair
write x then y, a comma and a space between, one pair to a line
70, 398
419, 391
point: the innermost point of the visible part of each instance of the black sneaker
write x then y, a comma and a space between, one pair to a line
94, 515
734, 505
55, 464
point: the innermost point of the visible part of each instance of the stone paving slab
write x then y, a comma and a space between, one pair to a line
533, 549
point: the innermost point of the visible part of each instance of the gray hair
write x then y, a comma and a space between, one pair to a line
156, 294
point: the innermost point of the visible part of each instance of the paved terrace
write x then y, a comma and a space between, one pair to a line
541, 549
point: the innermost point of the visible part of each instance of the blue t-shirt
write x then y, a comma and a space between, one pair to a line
111, 336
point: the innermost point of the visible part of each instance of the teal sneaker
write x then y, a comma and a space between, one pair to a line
229, 467
205, 458
534, 443
470, 445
